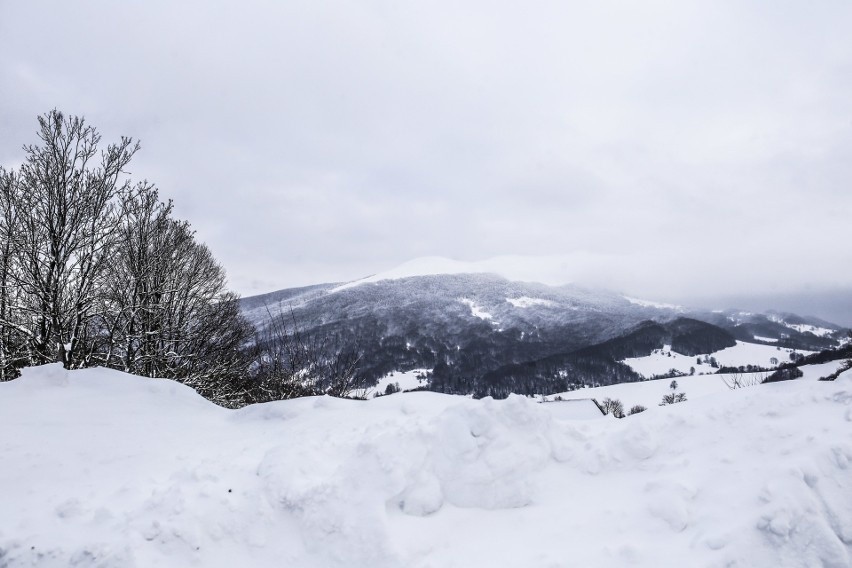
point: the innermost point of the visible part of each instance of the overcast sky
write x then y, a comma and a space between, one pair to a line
692, 148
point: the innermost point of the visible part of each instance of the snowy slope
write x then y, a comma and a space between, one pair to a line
663, 360
650, 393
104, 469
405, 380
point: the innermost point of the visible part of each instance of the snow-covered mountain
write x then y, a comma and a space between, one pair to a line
554, 270
483, 333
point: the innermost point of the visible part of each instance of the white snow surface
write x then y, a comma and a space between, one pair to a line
650, 393
405, 380
803, 327
741, 354
816, 372
527, 302
573, 408
106, 469
475, 309
816, 330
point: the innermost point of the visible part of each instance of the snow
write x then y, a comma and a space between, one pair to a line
755, 354
405, 380
432, 265
476, 310
105, 469
573, 409
649, 304
803, 328
554, 270
663, 360
527, 302
816, 330
650, 393
816, 372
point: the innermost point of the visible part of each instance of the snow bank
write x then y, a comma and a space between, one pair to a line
105, 469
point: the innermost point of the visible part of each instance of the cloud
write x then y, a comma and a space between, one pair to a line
700, 147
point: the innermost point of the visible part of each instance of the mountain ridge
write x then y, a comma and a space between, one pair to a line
484, 334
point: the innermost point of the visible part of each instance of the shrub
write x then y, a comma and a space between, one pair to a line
612, 406
674, 397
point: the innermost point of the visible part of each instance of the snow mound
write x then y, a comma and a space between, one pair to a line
105, 469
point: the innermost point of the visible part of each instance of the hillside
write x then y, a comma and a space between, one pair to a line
112, 470
483, 334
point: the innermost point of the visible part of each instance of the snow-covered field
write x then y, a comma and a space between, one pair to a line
741, 354
405, 380
105, 469
650, 393
804, 328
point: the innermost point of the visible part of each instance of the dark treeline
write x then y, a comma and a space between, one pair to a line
97, 271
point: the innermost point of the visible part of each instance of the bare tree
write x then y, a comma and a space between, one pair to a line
96, 271
65, 200
164, 308
13, 339
290, 363
674, 397
612, 406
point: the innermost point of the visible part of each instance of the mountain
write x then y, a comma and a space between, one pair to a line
483, 334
